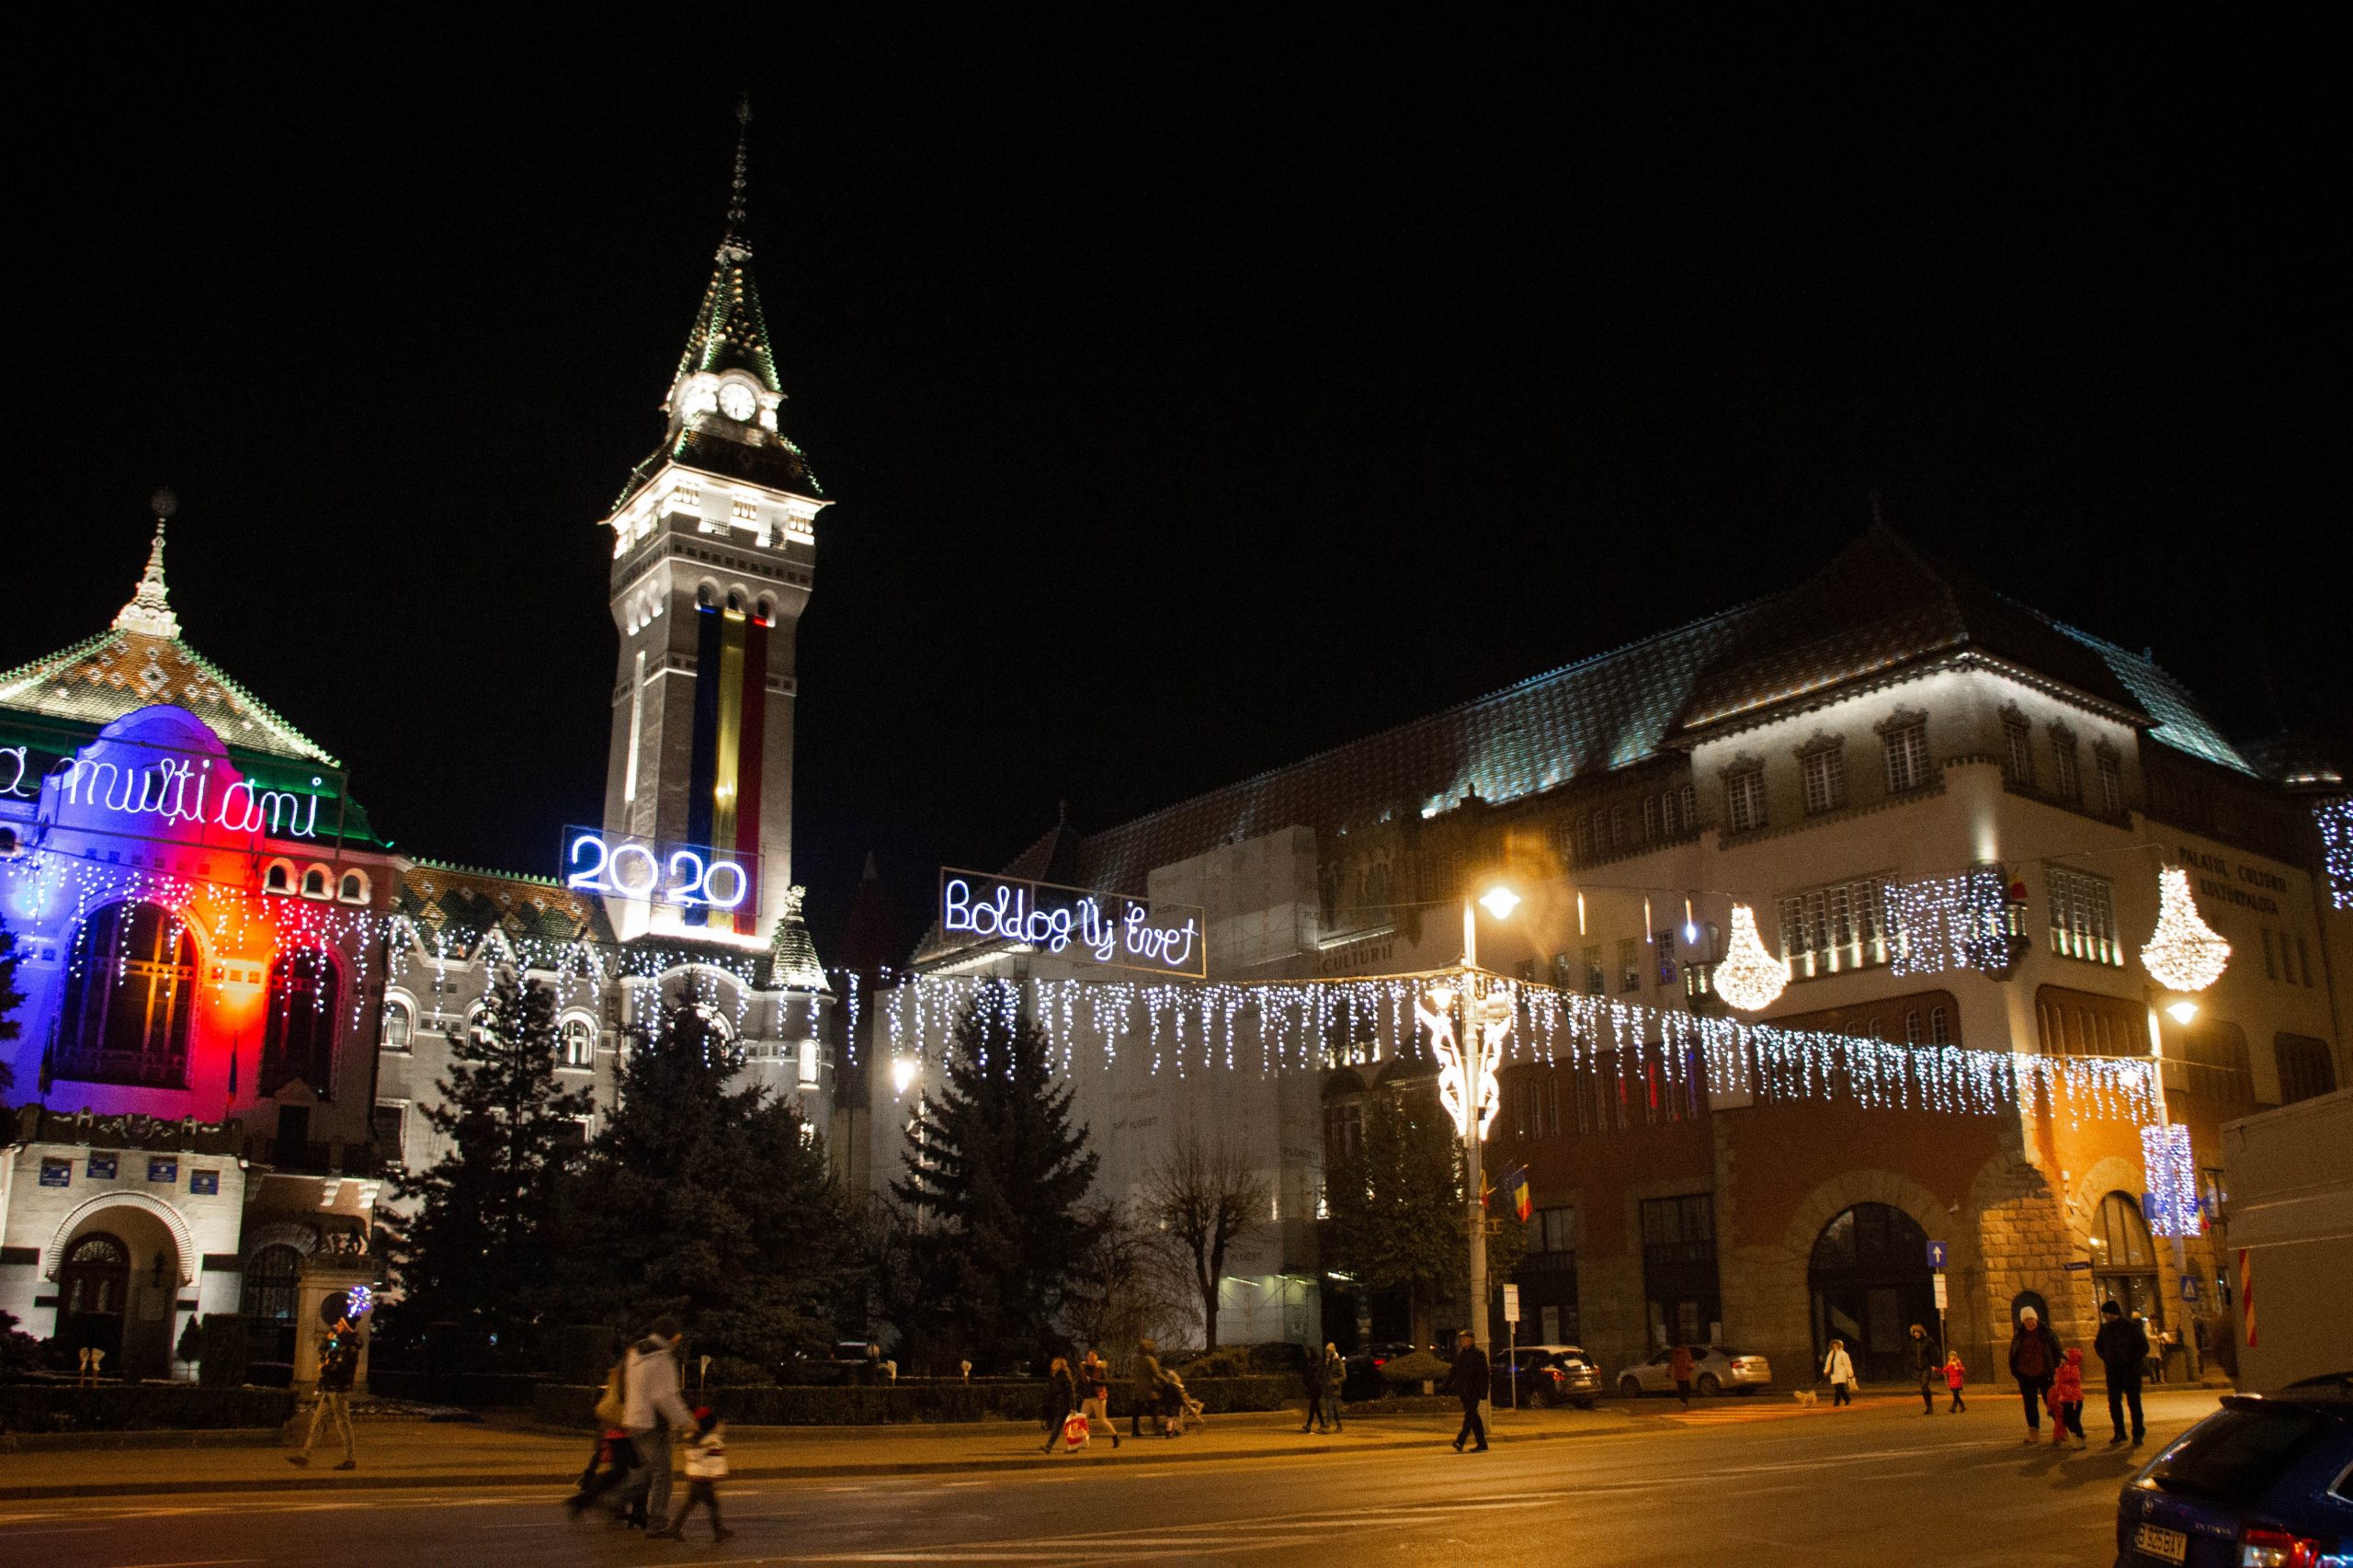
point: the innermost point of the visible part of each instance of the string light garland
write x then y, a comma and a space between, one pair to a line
1283, 1026
1947, 923
2172, 1199
2185, 954
2336, 819
1749, 977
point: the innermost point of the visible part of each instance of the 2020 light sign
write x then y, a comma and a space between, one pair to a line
688, 876
1097, 928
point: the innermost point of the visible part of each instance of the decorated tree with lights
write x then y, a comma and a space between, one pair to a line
479, 1244
999, 1175
709, 1197
10, 1000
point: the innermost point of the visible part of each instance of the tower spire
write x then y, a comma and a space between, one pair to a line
150, 609
743, 158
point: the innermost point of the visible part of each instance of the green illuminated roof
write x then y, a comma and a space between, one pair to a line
101, 678
730, 332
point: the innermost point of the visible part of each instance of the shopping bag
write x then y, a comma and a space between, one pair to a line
1075, 1431
614, 1405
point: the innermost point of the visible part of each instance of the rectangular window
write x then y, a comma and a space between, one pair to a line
388, 1129
1585, 840
1689, 795
2083, 916
1663, 946
1744, 799
1825, 780
1907, 758
1650, 817
1830, 929
1630, 964
1595, 981
1552, 1230
1671, 814
2064, 779
2111, 784
1617, 827
2018, 753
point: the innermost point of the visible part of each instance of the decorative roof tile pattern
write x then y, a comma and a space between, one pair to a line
1586, 718
2180, 722
731, 331
101, 678
458, 904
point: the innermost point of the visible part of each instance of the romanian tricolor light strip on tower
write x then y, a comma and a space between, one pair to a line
730, 714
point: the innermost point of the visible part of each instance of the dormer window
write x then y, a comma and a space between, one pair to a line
314, 882
279, 878
353, 888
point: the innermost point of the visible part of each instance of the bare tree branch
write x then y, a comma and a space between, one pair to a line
1208, 1198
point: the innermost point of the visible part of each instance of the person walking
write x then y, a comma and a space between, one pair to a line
650, 1409
339, 1360
1311, 1373
1679, 1366
1473, 1376
1840, 1367
706, 1466
1955, 1375
2034, 1361
2122, 1345
1148, 1381
2067, 1399
1062, 1400
1926, 1365
1335, 1381
1094, 1393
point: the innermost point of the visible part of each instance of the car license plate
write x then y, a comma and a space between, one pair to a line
2169, 1546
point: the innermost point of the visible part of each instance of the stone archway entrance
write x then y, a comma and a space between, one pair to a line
93, 1288
1870, 1281
118, 1287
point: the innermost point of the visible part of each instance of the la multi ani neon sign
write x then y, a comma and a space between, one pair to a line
1107, 929
166, 792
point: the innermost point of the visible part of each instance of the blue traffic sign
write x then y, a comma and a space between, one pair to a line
1936, 1254
2188, 1288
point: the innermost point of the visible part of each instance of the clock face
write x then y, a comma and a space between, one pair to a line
736, 402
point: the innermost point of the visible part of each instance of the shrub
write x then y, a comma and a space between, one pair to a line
221, 1364
125, 1407
909, 1400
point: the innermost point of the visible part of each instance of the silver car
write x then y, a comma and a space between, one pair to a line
1715, 1368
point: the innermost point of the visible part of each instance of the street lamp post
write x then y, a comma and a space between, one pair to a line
1500, 902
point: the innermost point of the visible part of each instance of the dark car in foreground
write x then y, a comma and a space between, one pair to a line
2266, 1482
1547, 1374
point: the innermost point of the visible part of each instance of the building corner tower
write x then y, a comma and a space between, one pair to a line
714, 548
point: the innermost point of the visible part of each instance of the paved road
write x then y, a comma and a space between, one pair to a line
1752, 1483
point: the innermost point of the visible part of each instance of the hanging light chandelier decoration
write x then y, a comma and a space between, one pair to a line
1750, 977
2184, 953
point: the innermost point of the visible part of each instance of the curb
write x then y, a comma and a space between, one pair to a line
363, 1480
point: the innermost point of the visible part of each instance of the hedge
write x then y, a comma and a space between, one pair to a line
908, 1400
467, 1390
123, 1408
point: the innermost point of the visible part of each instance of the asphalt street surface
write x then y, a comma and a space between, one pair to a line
1739, 1480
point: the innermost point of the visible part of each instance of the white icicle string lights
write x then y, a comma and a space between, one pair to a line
2184, 954
1749, 977
1648, 1050
1946, 923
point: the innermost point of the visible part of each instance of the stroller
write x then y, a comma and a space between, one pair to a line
1179, 1409
610, 1464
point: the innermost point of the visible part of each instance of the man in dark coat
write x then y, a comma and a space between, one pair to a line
2122, 1344
1928, 1365
1473, 1379
2034, 1361
1148, 1381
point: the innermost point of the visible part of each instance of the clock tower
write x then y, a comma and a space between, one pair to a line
714, 548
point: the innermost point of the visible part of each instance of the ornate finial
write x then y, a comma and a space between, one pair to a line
793, 897
742, 153
150, 609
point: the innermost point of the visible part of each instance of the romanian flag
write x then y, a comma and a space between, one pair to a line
1523, 1201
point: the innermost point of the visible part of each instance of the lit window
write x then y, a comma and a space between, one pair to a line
2083, 916
1911, 1027
1596, 981
579, 1043
1744, 799
1907, 757
129, 996
400, 1024
1825, 780
1939, 1026
298, 1031
1630, 964
1828, 930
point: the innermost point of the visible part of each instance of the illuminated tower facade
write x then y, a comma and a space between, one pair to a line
714, 549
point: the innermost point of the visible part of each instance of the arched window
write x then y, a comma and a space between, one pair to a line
279, 878
579, 1043
95, 1277
2124, 1261
129, 994
1939, 1026
1870, 1283
354, 889
298, 1031
314, 882
272, 1287
400, 1024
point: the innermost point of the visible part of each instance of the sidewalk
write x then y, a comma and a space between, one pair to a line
421, 1454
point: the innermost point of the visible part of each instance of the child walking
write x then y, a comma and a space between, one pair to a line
706, 1464
1954, 1375
2067, 1400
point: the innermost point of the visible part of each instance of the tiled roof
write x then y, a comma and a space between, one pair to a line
1881, 606
762, 458
2180, 722
101, 678
1583, 720
731, 331
462, 902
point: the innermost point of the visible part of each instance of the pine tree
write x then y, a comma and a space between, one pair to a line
710, 1198
479, 1244
994, 1164
10, 1000
1395, 1203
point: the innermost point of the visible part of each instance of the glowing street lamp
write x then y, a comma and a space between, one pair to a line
2183, 1011
1485, 1022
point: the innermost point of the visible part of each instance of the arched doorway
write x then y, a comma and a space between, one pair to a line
2124, 1260
93, 1291
1869, 1280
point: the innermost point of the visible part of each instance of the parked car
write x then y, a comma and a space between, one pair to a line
1364, 1379
2267, 1481
1714, 1368
1548, 1374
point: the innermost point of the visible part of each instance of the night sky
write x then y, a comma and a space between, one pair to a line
1193, 399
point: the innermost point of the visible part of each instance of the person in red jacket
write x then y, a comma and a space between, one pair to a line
2067, 1400
2034, 1361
